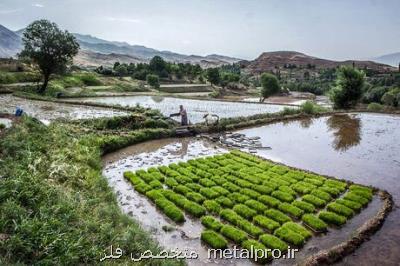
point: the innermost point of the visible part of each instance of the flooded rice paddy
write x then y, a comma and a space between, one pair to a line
364, 148
47, 111
196, 108
187, 236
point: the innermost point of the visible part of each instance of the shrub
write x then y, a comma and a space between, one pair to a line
236, 235
314, 222
298, 229
340, 209
194, 209
170, 210
212, 206
283, 196
350, 204
277, 216
321, 194
270, 85
273, 242
332, 218
290, 236
238, 198
214, 239
244, 211
253, 246
196, 197
211, 223
306, 207
290, 209
317, 202
375, 107
265, 222
209, 193
308, 107
153, 81
270, 201
225, 202
256, 205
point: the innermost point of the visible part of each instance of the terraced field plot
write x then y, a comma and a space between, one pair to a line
244, 200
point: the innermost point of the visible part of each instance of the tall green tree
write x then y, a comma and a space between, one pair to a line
270, 85
153, 81
213, 76
49, 47
158, 66
350, 83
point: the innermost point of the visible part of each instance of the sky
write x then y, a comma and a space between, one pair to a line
332, 29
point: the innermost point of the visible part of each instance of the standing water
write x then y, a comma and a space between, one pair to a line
364, 148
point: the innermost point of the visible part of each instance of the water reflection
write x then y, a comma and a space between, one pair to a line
306, 122
157, 98
346, 131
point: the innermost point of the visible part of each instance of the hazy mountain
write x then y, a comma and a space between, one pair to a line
271, 60
390, 59
10, 42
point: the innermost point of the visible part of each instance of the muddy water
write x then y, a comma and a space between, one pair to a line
364, 148
186, 236
196, 108
47, 111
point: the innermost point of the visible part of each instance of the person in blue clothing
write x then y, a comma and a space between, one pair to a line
183, 114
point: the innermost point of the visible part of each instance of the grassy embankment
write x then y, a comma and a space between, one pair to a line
55, 205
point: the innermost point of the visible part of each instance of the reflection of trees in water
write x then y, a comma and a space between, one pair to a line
157, 99
306, 122
346, 130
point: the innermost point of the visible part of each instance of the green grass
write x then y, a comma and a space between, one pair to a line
244, 211
196, 197
214, 240
263, 190
154, 195
209, 193
270, 201
306, 207
290, 236
353, 196
340, 209
332, 218
273, 242
225, 202
314, 222
291, 210
250, 193
238, 198
236, 235
282, 196
230, 216
317, 202
212, 206
249, 228
277, 216
265, 222
321, 194
298, 229
355, 206
194, 209
256, 205
211, 223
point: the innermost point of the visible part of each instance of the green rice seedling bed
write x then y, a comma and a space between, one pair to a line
250, 201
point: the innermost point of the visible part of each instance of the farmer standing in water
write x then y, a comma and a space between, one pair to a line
182, 113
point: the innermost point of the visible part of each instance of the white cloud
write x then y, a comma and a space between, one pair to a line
38, 5
129, 20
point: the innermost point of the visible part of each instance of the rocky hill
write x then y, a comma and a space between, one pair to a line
390, 59
10, 43
271, 61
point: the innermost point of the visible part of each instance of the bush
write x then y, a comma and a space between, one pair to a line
265, 222
375, 107
256, 205
170, 210
214, 239
273, 242
350, 204
270, 201
290, 236
181, 189
298, 229
290, 209
332, 218
389, 99
230, 216
244, 211
231, 187
349, 86
153, 81
238, 198
220, 190
301, 188
154, 194
321, 194
142, 188
309, 107
306, 207
314, 222
211, 223
207, 182
340, 209
225, 202
212, 206
352, 196
283, 196
317, 202
262, 189
270, 85
236, 235
331, 190
196, 197
249, 192
209, 193
277, 216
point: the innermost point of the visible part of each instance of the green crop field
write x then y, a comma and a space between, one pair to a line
242, 199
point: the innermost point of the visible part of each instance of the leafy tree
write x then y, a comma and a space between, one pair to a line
213, 76
153, 81
158, 65
116, 64
121, 70
49, 47
270, 85
350, 83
